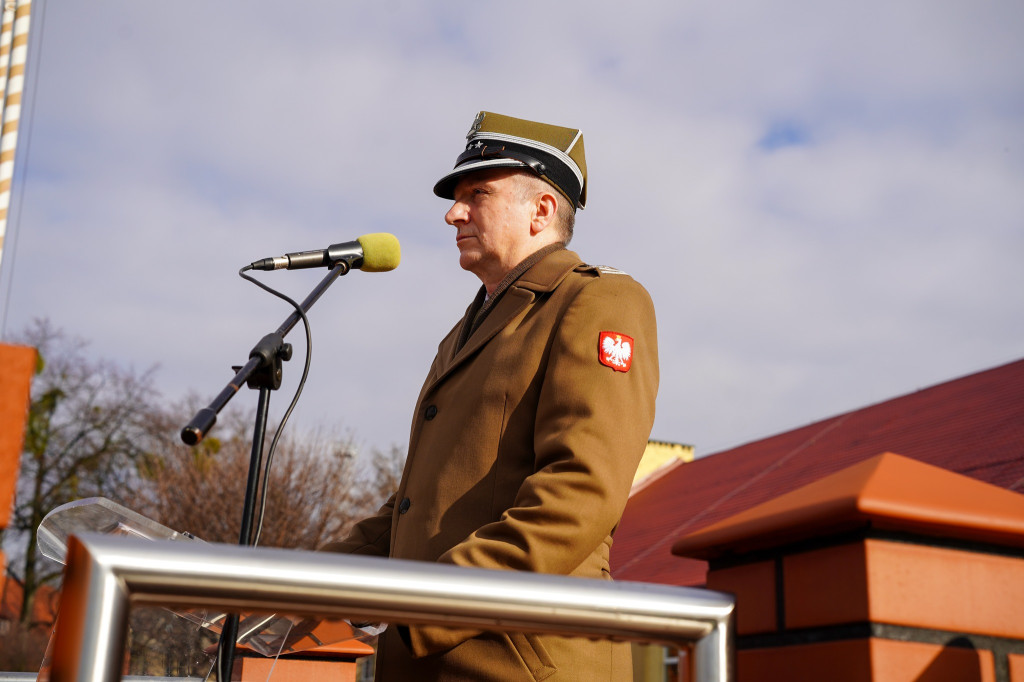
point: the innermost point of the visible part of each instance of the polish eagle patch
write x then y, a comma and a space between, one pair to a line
615, 350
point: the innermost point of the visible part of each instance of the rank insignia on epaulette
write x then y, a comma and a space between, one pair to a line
615, 350
609, 270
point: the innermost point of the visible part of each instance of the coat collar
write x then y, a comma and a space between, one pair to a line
547, 274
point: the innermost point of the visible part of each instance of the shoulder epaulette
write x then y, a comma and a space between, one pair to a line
603, 269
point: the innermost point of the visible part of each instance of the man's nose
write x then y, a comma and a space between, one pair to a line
455, 214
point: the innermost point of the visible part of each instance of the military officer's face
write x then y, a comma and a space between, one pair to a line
492, 221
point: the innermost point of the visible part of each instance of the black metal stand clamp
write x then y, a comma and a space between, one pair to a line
263, 372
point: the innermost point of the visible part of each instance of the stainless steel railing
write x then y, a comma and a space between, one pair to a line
105, 574
33, 677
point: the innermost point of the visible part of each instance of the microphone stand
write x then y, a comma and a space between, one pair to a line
263, 372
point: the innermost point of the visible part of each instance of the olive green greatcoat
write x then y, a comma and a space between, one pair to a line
521, 455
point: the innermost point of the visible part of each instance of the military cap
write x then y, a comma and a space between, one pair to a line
552, 152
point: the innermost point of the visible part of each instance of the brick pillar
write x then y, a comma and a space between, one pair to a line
889, 571
17, 365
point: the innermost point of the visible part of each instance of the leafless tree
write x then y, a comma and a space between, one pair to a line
96, 429
89, 420
318, 486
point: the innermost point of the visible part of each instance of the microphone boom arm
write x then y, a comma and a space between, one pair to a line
264, 365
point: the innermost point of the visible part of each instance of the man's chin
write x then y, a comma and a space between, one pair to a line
468, 260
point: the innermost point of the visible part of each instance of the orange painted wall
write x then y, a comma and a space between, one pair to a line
906, 584
331, 662
17, 365
866, 660
1016, 667
754, 587
289, 670
980, 593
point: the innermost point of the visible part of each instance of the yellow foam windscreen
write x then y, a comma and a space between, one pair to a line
381, 252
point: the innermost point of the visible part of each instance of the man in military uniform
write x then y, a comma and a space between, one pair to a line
533, 417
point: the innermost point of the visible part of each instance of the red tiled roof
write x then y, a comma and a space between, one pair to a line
973, 426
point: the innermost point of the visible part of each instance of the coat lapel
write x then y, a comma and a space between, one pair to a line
511, 304
542, 277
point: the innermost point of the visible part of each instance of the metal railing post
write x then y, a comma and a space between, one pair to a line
93, 619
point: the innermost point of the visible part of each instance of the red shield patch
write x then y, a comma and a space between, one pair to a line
615, 350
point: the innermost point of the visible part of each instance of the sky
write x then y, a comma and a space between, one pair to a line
825, 200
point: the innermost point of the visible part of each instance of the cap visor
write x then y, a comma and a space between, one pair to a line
445, 187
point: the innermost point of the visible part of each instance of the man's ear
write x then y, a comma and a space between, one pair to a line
545, 208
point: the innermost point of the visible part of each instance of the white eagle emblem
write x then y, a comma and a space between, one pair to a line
615, 350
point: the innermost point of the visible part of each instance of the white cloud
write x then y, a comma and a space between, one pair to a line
876, 254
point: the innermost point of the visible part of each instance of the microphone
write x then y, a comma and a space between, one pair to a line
376, 252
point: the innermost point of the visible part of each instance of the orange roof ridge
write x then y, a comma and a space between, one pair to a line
888, 491
656, 475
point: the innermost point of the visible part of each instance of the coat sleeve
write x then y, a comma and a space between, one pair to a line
370, 536
591, 429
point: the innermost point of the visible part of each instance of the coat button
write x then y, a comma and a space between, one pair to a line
404, 505
431, 412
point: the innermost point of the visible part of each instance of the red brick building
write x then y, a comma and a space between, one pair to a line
972, 427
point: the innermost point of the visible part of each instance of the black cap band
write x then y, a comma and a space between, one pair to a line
545, 166
553, 153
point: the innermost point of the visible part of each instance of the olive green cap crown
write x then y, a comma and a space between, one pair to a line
552, 152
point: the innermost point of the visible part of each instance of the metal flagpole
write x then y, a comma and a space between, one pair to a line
13, 53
